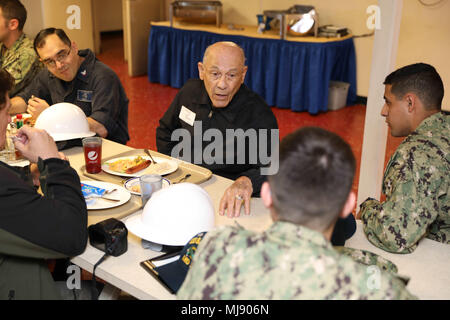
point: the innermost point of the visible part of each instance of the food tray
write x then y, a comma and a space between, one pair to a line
198, 174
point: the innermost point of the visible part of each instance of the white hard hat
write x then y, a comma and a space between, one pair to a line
174, 215
64, 121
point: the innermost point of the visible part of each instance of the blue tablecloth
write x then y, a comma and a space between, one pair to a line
287, 74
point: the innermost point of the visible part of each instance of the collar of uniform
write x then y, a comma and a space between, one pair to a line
84, 72
231, 111
288, 232
430, 122
16, 44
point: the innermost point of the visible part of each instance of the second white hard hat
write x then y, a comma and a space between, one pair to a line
174, 215
64, 121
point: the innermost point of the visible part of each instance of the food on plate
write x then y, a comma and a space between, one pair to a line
29, 121
129, 165
136, 188
138, 167
134, 185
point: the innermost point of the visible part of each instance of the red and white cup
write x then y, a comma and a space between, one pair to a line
92, 147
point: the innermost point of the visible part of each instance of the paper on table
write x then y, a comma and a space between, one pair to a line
160, 263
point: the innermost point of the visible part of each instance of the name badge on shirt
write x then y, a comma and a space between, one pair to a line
84, 96
187, 116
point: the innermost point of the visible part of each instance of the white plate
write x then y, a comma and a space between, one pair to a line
121, 194
162, 167
20, 163
130, 183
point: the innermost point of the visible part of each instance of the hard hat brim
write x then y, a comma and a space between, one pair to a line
137, 227
168, 222
70, 136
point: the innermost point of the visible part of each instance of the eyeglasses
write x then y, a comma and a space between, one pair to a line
60, 57
230, 76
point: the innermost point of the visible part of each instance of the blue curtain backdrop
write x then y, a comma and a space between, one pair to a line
287, 74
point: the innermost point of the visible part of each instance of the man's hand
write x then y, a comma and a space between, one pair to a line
235, 196
97, 127
35, 143
36, 106
35, 174
18, 105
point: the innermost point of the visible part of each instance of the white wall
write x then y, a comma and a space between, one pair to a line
108, 15
53, 13
35, 20
424, 31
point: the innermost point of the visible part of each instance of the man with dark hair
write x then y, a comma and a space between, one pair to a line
417, 180
16, 49
294, 258
77, 77
34, 228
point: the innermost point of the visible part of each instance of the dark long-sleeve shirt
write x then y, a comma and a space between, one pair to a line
35, 227
216, 131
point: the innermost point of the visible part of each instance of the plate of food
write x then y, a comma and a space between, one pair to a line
133, 185
103, 195
139, 165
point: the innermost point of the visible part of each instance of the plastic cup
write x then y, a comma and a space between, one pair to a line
92, 147
150, 183
9, 152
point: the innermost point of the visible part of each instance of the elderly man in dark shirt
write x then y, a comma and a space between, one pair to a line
77, 77
220, 105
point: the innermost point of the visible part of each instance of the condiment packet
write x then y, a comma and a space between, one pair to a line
91, 191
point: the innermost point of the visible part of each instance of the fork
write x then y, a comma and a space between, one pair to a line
150, 155
110, 191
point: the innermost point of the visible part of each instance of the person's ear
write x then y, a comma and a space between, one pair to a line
349, 205
74, 47
244, 72
266, 195
13, 24
411, 102
201, 70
